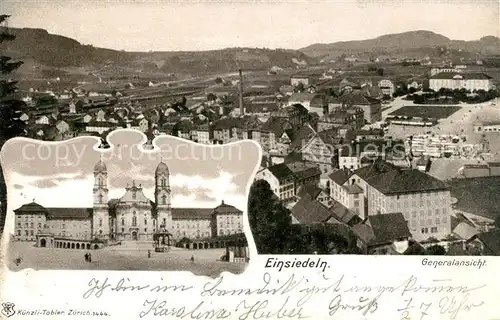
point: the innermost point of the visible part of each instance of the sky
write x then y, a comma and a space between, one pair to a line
167, 25
61, 174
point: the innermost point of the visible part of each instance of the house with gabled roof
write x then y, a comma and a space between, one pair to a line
315, 193
383, 234
345, 191
488, 243
285, 179
424, 200
321, 149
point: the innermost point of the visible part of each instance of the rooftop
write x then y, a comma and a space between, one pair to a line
459, 76
309, 211
390, 179
478, 196
385, 229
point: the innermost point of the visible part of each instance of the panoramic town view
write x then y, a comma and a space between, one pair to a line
386, 146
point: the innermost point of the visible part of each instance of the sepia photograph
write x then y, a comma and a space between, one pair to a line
378, 125
179, 207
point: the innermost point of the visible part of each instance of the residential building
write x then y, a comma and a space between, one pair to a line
304, 79
487, 243
311, 101
346, 192
387, 87
285, 179
351, 117
361, 153
296, 114
383, 234
424, 201
321, 149
371, 107
201, 134
315, 193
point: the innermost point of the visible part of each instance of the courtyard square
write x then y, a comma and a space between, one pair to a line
129, 257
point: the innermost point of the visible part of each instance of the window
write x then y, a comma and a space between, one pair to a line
154, 223
100, 222
100, 232
100, 198
39, 225
31, 232
64, 226
19, 224
164, 199
434, 230
134, 221
32, 225
145, 222
123, 230
145, 229
164, 222
18, 232
134, 195
26, 232
123, 222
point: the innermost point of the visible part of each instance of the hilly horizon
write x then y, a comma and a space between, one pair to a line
418, 41
55, 51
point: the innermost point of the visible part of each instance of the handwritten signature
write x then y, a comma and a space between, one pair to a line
275, 297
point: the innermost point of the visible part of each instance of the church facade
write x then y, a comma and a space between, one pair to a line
132, 217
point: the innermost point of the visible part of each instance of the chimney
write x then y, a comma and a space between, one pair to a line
222, 202
242, 108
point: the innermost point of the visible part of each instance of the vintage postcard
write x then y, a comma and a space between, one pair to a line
250, 160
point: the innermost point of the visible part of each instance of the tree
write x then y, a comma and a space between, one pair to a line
436, 250
219, 80
269, 220
299, 87
211, 97
497, 221
414, 248
10, 109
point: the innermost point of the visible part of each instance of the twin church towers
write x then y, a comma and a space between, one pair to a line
133, 216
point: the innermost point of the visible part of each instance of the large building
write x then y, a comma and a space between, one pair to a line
132, 217
285, 179
455, 80
382, 188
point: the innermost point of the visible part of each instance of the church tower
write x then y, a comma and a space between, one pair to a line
162, 197
100, 219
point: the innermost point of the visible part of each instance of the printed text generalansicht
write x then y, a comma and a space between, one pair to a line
297, 263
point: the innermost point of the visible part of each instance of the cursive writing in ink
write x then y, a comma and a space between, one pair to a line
365, 305
261, 309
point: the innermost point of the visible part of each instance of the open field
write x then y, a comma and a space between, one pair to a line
116, 258
426, 111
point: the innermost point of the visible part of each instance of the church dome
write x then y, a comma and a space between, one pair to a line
100, 166
162, 168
